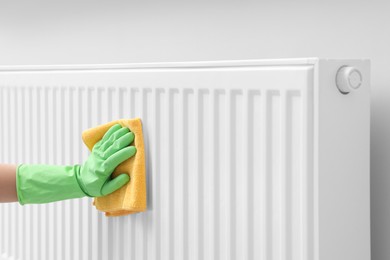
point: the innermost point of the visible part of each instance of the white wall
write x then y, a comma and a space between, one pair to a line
45, 32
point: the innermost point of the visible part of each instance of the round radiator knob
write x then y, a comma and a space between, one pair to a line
348, 79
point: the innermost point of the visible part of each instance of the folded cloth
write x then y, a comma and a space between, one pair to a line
131, 198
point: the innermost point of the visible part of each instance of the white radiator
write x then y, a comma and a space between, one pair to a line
252, 159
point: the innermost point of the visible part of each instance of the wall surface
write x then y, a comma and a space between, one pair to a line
49, 32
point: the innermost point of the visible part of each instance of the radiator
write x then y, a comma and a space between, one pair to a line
246, 159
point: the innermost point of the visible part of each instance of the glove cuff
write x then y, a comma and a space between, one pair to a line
40, 183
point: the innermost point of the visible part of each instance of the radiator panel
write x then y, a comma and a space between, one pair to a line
229, 165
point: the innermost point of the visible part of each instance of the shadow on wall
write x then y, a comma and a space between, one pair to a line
380, 174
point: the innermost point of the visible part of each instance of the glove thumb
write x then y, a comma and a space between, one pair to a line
114, 184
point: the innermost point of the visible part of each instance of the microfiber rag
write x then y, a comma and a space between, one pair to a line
131, 198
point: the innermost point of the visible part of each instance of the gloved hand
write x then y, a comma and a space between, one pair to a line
40, 183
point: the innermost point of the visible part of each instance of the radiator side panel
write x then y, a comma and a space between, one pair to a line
343, 164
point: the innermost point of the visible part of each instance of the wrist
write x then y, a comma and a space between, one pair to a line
80, 182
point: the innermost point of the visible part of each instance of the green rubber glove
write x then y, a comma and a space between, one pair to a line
40, 183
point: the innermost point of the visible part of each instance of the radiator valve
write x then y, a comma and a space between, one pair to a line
348, 79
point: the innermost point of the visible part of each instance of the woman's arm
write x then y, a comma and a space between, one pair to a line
8, 183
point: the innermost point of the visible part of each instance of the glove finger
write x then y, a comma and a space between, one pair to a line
117, 158
119, 144
115, 184
107, 135
121, 132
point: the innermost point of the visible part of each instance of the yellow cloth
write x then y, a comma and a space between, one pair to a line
131, 198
